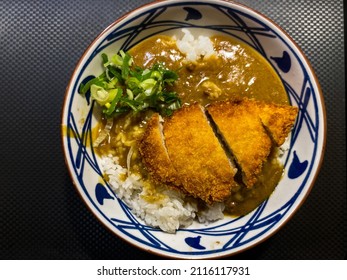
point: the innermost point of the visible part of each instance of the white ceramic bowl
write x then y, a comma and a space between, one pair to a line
302, 161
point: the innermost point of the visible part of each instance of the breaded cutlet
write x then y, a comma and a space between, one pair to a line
241, 128
154, 154
278, 120
197, 155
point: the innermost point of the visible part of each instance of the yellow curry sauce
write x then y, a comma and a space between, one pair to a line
239, 71
236, 72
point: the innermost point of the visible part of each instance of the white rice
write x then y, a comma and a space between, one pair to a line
171, 212
202, 47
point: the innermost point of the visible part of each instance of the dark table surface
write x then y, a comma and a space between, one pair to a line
41, 214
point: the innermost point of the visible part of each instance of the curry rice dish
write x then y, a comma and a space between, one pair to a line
219, 153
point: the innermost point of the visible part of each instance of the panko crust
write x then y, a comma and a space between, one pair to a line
204, 169
278, 120
239, 124
154, 154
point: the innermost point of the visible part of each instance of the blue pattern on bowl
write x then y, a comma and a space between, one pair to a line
236, 233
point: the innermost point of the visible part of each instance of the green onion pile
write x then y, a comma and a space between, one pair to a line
123, 87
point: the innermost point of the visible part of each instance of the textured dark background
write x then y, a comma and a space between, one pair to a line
41, 214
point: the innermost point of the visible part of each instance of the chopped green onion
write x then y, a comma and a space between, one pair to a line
96, 81
118, 95
99, 94
123, 87
130, 94
104, 58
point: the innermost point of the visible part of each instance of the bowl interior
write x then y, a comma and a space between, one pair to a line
302, 160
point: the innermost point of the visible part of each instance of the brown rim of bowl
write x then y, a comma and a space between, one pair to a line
288, 218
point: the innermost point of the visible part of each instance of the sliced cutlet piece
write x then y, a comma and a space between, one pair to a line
200, 161
154, 153
240, 127
278, 120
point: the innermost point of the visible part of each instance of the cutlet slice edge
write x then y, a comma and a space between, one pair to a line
278, 120
154, 153
223, 144
221, 141
223, 114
